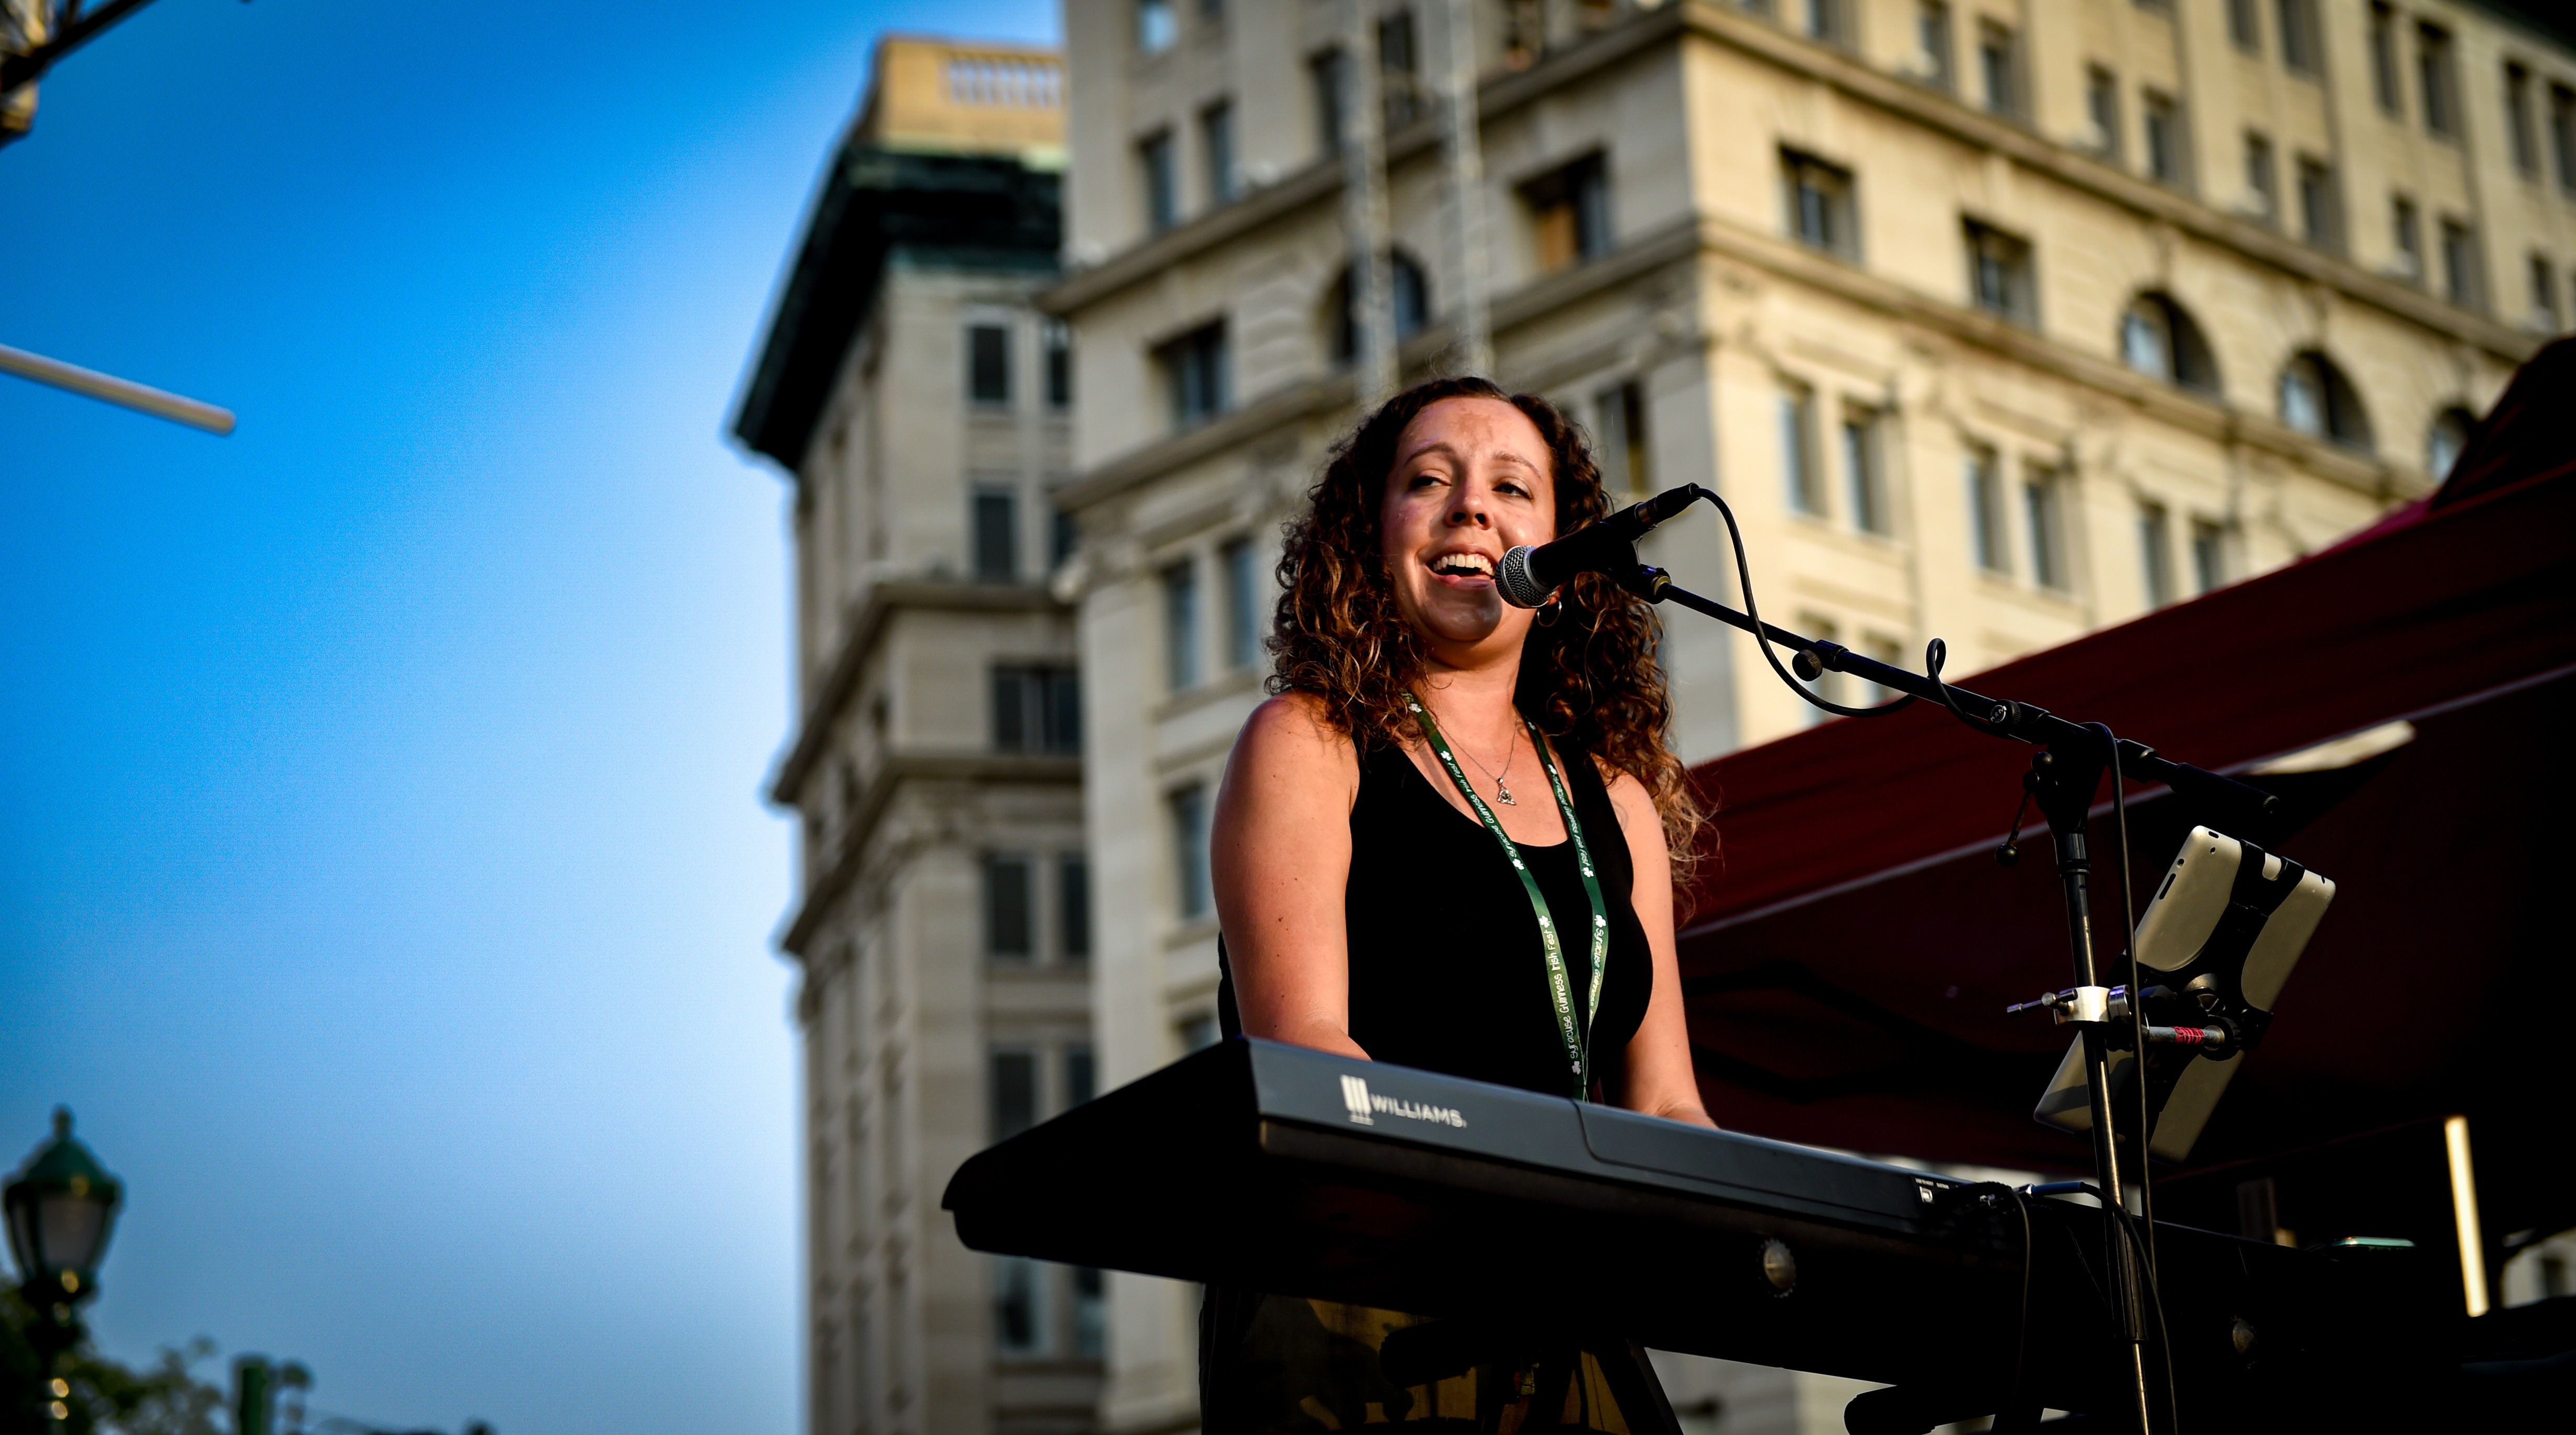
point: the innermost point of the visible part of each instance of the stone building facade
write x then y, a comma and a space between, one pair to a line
1998, 322
942, 927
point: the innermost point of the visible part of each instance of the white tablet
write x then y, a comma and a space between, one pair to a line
2229, 918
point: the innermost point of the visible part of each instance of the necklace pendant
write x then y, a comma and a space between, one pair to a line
1503, 794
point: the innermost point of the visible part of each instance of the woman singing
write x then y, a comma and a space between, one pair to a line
1449, 841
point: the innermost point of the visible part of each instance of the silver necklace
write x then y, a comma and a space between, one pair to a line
1502, 794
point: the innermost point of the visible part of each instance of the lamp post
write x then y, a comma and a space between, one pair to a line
60, 1210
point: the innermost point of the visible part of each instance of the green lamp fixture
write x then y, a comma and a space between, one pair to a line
61, 1208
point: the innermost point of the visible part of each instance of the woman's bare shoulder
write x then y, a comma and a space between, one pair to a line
1295, 731
1628, 797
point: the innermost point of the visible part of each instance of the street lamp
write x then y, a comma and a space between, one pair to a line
60, 1210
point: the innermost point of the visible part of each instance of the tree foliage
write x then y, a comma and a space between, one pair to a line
102, 1397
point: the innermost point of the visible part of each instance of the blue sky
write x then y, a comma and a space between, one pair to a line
383, 876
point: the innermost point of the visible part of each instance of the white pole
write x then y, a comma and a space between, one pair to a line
1463, 149
111, 389
1364, 205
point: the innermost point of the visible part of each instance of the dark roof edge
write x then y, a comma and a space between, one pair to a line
874, 205
2541, 22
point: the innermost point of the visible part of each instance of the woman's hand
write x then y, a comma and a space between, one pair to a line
1661, 1081
1280, 854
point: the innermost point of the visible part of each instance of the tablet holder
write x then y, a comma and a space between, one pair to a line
2195, 1010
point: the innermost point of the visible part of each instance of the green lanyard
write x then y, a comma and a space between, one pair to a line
1560, 988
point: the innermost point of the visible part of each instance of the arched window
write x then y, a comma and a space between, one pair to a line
2159, 340
2448, 439
1412, 307
2317, 400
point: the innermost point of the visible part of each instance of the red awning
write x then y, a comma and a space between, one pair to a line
1856, 942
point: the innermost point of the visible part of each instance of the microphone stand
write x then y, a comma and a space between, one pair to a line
2062, 779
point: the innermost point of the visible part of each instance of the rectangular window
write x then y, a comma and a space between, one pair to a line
1181, 626
2433, 80
2562, 136
1009, 931
1986, 511
1621, 435
1012, 727
1015, 1091
1056, 337
1820, 204
988, 364
1999, 67
1798, 450
1160, 185
2043, 508
1324, 88
2245, 26
1999, 274
1081, 1075
1194, 370
1019, 1306
1826, 22
997, 535
1036, 709
1569, 211
1090, 1314
1932, 38
2102, 103
2320, 214
2262, 191
1190, 851
2155, 553
2519, 136
1216, 148
2383, 57
1864, 472
1399, 85
2298, 24
2544, 295
2407, 233
2163, 126
2459, 264
1065, 533
1073, 902
1242, 605
2208, 555
1155, 29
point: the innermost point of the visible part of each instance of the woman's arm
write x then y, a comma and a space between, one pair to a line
1660, 1079
1280, 853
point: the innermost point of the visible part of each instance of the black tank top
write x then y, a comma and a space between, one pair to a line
1447, 973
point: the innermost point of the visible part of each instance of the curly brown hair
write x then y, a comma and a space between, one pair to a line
1590, 677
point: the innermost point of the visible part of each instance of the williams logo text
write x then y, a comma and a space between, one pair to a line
1365, 1108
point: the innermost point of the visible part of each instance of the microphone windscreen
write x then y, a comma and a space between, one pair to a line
1519, 586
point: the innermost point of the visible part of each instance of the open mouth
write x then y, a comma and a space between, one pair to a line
1463, 565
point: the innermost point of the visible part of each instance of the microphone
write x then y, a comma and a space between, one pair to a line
1529, 574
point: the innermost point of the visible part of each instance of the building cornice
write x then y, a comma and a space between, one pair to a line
1328, 392
898, 770
875, 207
1322, 181
1301, 400
2209, 417
866, 625
1939, 111
1773, 255
1139, 262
